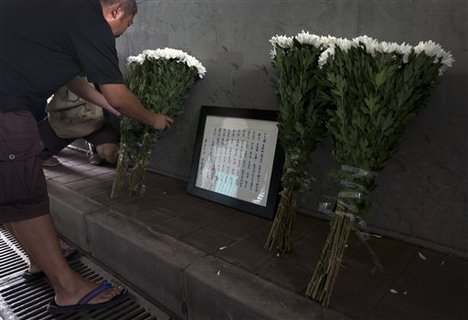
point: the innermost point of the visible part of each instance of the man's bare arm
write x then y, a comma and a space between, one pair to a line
81, 87
124, 101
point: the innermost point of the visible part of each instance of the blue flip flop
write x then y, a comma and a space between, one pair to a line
84, 305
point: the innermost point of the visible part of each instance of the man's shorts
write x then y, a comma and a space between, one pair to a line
23, 188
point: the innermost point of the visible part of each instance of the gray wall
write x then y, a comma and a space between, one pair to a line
422, 191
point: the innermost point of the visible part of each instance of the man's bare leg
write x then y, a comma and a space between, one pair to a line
40, 240
32, 265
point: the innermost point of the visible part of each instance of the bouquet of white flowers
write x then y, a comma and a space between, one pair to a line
303, 103
377, 88
160, 79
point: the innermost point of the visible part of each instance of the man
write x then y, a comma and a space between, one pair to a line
44, 45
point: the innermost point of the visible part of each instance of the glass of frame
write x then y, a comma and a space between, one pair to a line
237, 160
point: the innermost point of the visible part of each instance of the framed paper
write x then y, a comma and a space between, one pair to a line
237, 160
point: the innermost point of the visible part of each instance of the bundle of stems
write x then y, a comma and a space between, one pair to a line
161, 79
302, 111
377, 87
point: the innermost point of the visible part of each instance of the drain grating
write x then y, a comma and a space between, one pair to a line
22, 299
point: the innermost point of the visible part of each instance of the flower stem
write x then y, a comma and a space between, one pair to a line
283, 224
135, 186
321, 285
120, 171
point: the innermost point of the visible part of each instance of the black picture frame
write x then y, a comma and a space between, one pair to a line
237, 124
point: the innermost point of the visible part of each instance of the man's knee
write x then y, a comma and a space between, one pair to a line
108, 152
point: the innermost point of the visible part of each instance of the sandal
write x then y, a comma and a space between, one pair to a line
84, 305
50, 162
95, 160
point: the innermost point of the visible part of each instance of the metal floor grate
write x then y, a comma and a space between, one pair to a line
22, 299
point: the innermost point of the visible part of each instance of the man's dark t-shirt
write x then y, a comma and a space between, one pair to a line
46, 43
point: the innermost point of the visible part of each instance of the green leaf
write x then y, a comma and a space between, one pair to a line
380, 78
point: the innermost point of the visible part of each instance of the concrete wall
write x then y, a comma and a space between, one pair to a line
422, 192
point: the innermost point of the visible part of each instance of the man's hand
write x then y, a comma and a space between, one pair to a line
112, 110
125, 102
161, 122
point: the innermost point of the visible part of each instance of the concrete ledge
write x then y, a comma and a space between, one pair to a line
219, 290
69, 210
152, 262
186, 280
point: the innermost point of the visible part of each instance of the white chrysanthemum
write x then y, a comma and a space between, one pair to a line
430, 48
273, 53
447, 60
369, 43
305, 37
282, 41
433, 49
194, 63
405, 50
137, 59
387, 47
344, 44
168, 54
327, 41
325, 55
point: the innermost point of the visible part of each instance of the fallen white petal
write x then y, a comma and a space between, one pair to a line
422, 256
393, 291
218, 273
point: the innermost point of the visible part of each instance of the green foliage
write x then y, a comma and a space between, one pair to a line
375, 97
303, 102
161, 85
